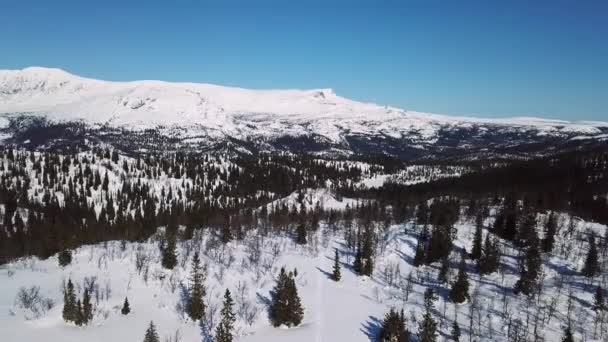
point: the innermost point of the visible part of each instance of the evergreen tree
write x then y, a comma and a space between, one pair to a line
169, 253
530, 268
301, 234
65, 258
591, 267
80, 320
367, 252
599, 303
358, 262
87, 308
427, 330
440, 244
419, 256
550, 231
442, 276
478, 238
196, 305
393, 328
455, 334
226, 232
490, 256
568, 335
151, 334
224, 329
126, 308
69, 303
286, 308
460, 290
335, 275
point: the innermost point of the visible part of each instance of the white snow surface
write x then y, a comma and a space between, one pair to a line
237, 112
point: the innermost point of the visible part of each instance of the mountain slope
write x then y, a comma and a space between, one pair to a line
308, 120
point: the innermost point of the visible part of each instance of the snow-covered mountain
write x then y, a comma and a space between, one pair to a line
310, 120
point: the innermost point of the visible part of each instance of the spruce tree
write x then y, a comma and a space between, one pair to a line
80, 320
568, 335
69, 303
550, 231
358, 262
169, 254
286, 308
225, 328
419, 256
490, 256
126, 308
196, 305
335, 275
367, 252
591, 267
393, 328
301, 234
427, 330
599, 303
442, 276
295, 311
87, 308
64, 258
455, 333
530, 268
151, 334
460, 290
478, 238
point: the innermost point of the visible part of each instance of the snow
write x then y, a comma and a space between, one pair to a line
236, 112
345, 311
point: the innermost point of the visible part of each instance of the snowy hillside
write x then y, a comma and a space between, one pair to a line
215, 113
349, 310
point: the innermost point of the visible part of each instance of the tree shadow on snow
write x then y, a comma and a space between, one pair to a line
371, 328
327, 274
266, 301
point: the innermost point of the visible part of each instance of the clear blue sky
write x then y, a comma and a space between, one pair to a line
485, 58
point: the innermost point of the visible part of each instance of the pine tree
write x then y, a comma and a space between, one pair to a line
367, 252
568, 335
87, 308
196, 305
478, 238
69, 303
169, 254
65, 258
442, 276
455, 334
393, 328
530, 268
224, 330
439, 245
358, 262
419, 256
490, 256
460, 290
126, 308
550, 231
335, 275
226, 232
286, 308
591, 267
599, 303
80, 320
301, 234
427, 330
151, 334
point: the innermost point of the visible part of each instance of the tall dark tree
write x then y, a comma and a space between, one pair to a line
599, 304
442, 276
460, 289
455, 333
529, 268
550, 231
335, 274
478, 238
427, 330
64, 258
87, 308
151, 334
419, 256
169, 249
490, 256
196, 304
592, 266
286, 308
225, 329
301, 234
69, 303
126, 308
393, 328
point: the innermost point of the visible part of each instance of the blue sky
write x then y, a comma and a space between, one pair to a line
484, 58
